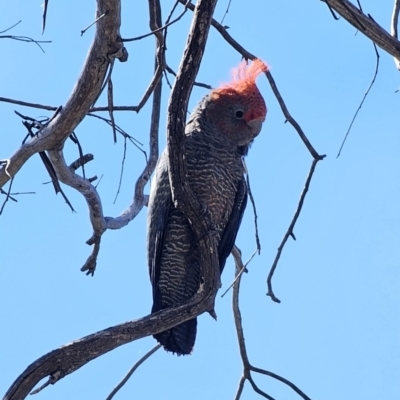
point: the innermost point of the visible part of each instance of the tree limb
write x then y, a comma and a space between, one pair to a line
105, 47
366, 25
182, 196
247, 367
67, 359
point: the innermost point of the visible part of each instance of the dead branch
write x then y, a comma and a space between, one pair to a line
362, 101
247, 367
24, 38
8, 196
105, 47
153, 32
132, 370
182, 196
289, 231
67, 359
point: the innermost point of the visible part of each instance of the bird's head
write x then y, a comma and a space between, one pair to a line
237, 108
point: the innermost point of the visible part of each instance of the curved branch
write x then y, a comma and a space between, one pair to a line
105, 47
67, 359
100, 223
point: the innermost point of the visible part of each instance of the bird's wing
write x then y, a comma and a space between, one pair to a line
160, 204
232, 227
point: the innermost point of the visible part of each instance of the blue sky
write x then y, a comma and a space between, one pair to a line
336, 332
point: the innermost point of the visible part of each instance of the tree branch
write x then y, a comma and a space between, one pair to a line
182, 195
105, 47
67, 359
366, 25
247, 367
289, 231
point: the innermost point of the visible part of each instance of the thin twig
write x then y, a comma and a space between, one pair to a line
132, 370
53, 108
363, 99
33, 123
243, 269
226, 12
96, 20
289, 232
159, 29
199, 84
12, 26
26, 39
253, 203
247, 367
110, 99
7, 195
122, 172
126, 135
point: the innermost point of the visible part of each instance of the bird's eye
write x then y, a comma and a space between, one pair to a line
239, 114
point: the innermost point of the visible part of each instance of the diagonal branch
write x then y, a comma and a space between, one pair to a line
132, 370
67, 359
289, 232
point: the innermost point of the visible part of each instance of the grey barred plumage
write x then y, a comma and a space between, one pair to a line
218, 135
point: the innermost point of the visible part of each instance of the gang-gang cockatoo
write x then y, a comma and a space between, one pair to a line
218, 135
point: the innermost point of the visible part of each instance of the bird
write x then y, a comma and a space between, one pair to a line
218, 133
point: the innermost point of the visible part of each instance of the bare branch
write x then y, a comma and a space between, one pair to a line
26, 39
226, 12
8, 197
67, 359
362, 101
289, 231
106, 46
182, 196
199, 84
366, 25
159, 29
110, 98
96, 20
12, 26
132, 370
240, 387
247, 367
122, 172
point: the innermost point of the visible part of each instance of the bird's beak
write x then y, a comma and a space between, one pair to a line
256, 125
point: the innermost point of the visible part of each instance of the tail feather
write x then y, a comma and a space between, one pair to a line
180, 339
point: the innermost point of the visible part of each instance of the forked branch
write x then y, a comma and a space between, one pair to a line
247, 367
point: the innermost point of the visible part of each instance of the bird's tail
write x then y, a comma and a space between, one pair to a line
180, 339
